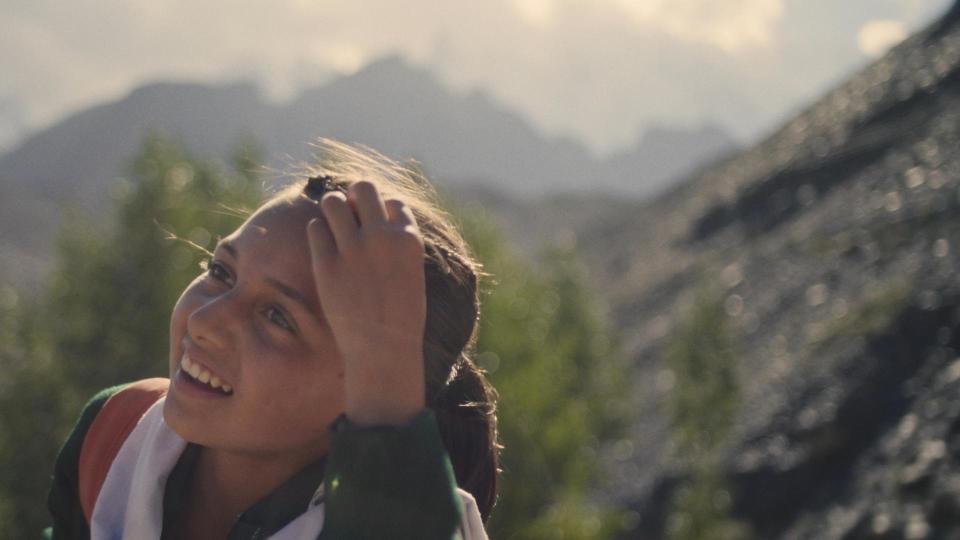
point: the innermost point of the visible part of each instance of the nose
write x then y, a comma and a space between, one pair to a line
212, 323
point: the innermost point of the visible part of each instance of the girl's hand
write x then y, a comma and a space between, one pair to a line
367, 259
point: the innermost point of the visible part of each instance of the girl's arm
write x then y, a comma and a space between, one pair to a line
367, 258
388, 475
390, 482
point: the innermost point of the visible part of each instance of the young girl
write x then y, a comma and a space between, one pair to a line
320, 379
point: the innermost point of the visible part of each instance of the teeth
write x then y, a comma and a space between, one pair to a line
199, 373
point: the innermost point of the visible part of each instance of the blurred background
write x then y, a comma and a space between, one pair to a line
723, 235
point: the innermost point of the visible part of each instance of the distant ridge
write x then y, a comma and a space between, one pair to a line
400, 109
391, 105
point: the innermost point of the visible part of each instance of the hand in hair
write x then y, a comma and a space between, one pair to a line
367, 257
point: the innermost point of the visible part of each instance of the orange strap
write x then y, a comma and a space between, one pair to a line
107, 433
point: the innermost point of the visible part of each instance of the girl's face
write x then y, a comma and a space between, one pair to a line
252, 322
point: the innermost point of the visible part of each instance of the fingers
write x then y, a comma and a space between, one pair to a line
362, 208
340, 218
367, 201
320, 239
400, 214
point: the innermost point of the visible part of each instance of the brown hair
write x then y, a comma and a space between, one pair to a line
462, 399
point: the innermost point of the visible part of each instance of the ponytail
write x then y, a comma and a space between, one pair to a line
462, 399
466, 413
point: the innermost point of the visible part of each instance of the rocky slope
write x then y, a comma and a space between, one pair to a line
837, 241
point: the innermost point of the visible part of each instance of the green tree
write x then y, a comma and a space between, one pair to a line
113, 291
702, 355
560, 377
104, 320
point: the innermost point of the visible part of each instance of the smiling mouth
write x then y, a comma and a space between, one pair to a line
201, 375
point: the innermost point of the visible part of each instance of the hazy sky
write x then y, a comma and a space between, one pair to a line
599, 70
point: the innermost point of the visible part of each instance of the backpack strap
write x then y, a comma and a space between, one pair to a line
107, 433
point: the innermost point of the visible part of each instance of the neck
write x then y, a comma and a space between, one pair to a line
225, 484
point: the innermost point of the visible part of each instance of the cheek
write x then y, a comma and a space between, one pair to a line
189, 300
317, 396
181, 310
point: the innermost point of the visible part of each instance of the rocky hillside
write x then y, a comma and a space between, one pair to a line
837, 241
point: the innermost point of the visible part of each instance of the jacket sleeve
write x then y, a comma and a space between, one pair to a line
63, 500
390, 482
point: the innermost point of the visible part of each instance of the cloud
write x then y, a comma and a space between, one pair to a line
877, 36
595, 69
731, 26
536, 12
591, 69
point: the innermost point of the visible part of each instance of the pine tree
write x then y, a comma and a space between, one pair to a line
562, 386
702, 356
105, 317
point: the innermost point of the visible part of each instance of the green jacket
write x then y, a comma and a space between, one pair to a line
379, 482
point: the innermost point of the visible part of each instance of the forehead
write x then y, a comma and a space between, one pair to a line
276, 235
281, 216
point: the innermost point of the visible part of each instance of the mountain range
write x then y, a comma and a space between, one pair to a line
463, 140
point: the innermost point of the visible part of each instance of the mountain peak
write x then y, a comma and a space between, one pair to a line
391, 67
662, 134
159, 89
390, 61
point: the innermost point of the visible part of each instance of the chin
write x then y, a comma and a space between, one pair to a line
173, 361
179, 420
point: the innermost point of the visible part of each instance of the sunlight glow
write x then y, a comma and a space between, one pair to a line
731, 26
535, 12
343, 57
877, 36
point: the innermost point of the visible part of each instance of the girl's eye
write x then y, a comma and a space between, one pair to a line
278, 318
217, 271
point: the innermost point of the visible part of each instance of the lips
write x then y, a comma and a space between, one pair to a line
201, 374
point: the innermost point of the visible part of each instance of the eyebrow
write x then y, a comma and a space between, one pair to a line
283, 288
